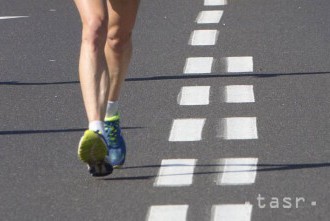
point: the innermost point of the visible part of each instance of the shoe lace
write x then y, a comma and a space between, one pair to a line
113, 131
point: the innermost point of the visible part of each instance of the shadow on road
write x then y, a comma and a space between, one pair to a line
174, 77
221, 75
16, 83
21, 132
218, 169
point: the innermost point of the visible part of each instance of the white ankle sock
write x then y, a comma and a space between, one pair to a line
97, 126
112, 108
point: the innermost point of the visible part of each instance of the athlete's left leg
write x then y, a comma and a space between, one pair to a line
118, 51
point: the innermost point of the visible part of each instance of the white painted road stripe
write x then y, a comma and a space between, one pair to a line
198, 65
194, 95
238, 128
176, 172
187, 130
239, 94
215, 2
232, 212
209, 17
168, 213
12, 17
239, 64
237, 171
203, 37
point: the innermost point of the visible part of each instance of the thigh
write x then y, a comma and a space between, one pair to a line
90, 10
122, 15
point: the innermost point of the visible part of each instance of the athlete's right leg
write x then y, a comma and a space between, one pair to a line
93, 73
94, 79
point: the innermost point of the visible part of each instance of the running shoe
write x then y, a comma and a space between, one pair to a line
93, 151
115, 140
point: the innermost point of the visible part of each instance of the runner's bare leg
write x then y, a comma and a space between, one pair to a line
118, 49
93, 71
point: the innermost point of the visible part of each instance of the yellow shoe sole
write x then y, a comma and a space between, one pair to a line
92, 149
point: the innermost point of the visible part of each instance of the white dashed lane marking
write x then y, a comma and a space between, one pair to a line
187, 130
194, 95
239, 64
237, 171
232, 212
233, 171
239, 94
168, 212
12, 17
204, 37
208, 65
215, 2
198, 65
209, 17
176, 172
238, 128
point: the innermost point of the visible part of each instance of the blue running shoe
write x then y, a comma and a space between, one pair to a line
93, 151
116, 143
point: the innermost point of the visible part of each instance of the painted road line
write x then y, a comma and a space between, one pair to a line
237, 171
12, 17
168, 212
203, 37
187, 129
209, 17
238, 128
239, 64
239, 94
215, 2
198, 65
176, 172
232, 212
194, 95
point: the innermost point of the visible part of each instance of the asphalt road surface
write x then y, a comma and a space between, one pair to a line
225, 114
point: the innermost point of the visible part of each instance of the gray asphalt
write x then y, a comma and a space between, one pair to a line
42, 115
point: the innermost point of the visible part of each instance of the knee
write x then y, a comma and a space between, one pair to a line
118, 40
95, 31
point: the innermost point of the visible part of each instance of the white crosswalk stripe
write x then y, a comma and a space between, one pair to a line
232, 212
237, 171
168, 213
238, 128
209, 17
198, 65
176, 172
194, 95
239, 94
215, 2
203, 37
239, 64
187, 130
